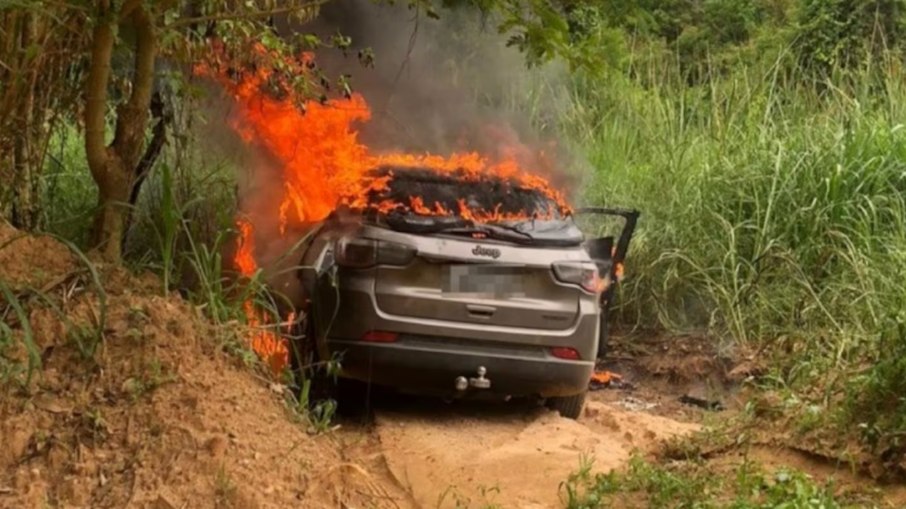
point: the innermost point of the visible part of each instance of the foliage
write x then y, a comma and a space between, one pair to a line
68, 196
846, 33
687, 485
40, 68
876, 401
773, 218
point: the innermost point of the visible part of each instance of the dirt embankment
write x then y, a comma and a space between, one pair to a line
160, 417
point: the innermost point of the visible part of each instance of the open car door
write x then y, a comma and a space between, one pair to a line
608, 252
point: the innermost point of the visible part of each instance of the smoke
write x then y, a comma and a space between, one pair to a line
445, 85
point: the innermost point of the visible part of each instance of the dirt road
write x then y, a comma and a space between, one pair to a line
470, 454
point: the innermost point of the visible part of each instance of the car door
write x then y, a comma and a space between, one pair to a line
608, 252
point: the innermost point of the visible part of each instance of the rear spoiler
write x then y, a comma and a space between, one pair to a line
631, 217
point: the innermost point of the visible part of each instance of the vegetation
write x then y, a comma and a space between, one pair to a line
747, 486
763, 140
771, 176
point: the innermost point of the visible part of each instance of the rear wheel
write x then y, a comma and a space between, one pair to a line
353, 398
568, 406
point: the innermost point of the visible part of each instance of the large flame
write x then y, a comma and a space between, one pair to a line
326, 166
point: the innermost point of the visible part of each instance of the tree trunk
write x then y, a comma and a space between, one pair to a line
112, 167
24, 206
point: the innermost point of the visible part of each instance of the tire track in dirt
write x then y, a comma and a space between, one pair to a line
471, 454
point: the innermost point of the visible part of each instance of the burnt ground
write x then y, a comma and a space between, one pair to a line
165, 415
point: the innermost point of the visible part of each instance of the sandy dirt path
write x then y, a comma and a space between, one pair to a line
514, 455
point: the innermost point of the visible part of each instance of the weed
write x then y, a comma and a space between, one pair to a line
10, 369
94, 425
773, 217
224, 488
462, 501
316, 415
137, 316
694, 485
34, 356
152, 376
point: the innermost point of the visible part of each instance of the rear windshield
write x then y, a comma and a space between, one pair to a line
426, 192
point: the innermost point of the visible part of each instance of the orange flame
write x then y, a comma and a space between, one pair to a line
325, 165
268, 345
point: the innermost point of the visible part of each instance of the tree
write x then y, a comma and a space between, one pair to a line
841, 34
39, 70
185, 26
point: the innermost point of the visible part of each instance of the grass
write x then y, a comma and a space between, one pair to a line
33, 362
225, 490
774, 219
692, 485
68, 193
483, 499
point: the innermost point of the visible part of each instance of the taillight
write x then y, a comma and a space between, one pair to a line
356, 252
391, 253
363, 253
377, 336
584, 274
563, 352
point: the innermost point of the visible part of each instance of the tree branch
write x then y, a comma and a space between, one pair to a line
158, 139
96, 93
246, 15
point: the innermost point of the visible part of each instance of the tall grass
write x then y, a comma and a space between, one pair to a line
774, 211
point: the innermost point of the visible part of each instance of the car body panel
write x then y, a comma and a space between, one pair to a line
441, 337
465, 300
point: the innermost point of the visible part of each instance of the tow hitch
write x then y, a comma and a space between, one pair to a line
480, 382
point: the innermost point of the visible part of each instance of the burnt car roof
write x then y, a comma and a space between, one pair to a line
543, 223
486, 192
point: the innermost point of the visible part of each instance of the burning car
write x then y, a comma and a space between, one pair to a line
430, 299
450, 274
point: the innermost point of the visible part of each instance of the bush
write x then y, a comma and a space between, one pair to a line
834, 34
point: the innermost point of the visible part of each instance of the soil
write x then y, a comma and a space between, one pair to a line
161, 416
515, 455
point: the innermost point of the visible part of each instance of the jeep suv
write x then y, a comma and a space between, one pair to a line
442, 304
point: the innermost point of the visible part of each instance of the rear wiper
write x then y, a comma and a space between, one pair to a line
492, 230
514, 229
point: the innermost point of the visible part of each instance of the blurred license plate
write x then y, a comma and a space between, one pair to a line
485, 280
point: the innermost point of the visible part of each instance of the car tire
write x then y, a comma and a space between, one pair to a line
568, 406
353, 398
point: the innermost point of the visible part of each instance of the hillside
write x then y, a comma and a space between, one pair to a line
160, 417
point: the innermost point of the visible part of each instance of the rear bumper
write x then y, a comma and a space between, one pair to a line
425, 365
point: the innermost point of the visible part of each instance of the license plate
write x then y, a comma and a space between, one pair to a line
485, 281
